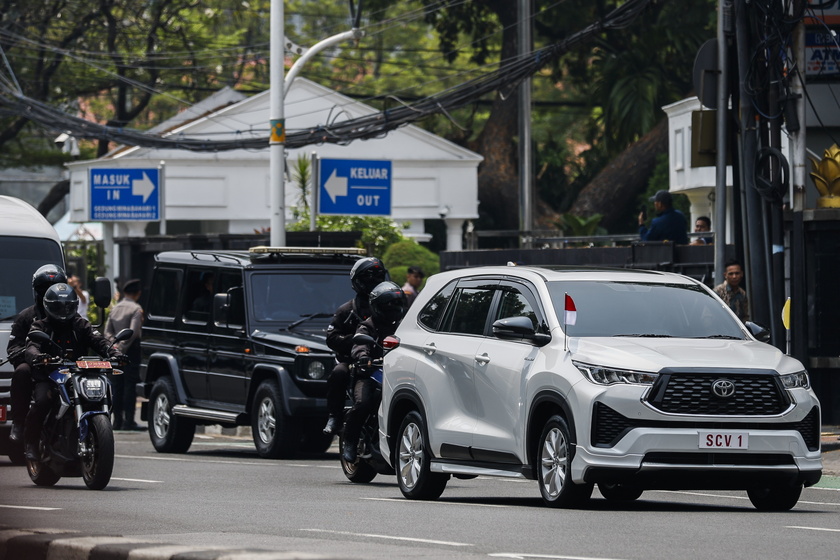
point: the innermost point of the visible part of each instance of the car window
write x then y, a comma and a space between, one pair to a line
230, 282
644, 309
432, 312
201, 284
471, 306
514, 304
290, 297
163, 298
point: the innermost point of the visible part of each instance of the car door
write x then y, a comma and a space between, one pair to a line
445, 372
192, 338
227, 371
500, 373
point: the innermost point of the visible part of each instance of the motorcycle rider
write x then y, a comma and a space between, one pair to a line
74, 335
365, 275
388, 305
21, 391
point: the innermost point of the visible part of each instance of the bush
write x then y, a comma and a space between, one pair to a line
399, 256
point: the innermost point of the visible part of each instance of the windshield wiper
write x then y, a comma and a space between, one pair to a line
306, 318
648, 335
726, 336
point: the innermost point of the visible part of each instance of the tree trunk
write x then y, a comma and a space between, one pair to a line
614, 190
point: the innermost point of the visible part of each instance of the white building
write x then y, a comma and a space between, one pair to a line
229, 192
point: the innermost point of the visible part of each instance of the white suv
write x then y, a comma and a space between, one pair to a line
634, 380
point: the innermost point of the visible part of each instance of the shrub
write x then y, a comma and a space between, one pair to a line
399, 256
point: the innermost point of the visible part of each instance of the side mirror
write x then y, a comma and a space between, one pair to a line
221, 304
359, 338
39, 336
519, 328
102, 293
762, 334
124, 334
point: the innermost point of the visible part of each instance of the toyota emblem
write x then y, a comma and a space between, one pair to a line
723, 388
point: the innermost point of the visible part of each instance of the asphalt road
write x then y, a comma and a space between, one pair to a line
221, 494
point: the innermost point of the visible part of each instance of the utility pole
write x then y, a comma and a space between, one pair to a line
724, 20
277, 142
526, 187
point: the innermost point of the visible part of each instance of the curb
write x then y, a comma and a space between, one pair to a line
47, 544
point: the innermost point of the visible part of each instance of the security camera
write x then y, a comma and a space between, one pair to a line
61, 139
443, 212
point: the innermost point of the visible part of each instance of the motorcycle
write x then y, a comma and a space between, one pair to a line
81, 442
370, 461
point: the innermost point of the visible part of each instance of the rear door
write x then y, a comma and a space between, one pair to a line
227, 370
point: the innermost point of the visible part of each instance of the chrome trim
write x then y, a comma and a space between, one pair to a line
203, 413
449, 468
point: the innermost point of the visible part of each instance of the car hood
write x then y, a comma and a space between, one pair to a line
291, 339
655, 354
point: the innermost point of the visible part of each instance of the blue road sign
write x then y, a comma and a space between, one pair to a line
124, 195
357, 187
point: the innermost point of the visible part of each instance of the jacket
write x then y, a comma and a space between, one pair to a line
343, 326
20, 329
77, 338
669, 225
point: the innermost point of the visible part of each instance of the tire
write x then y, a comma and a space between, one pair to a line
616, 492
169, 433
413, 461
315, 440
15, 454
99, 465
41, 474
360, 472
554, 460
275, 434
775, 498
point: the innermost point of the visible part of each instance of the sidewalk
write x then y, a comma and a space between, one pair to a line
830, 443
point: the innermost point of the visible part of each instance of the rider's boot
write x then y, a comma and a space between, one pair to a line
16, 435
30, 443
333, 424
350, 440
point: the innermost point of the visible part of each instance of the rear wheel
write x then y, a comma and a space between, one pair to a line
274, 433
315, 440
413, 461
618, 492
554, 457
98, 465
169, 433
359, 472
40, 473
775, 498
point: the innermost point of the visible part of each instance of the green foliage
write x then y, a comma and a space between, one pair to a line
399, 256
577, 226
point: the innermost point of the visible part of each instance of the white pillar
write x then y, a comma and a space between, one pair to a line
454, 234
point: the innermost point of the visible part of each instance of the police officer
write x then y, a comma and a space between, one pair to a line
21, 391
74, 335
388, 305
366, 274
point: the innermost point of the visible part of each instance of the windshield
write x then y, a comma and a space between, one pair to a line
20, 257
645, 310
289, 297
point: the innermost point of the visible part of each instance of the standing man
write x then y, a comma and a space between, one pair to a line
731, 292
702, 225
668, 225
126, 314
84, 297
413, 279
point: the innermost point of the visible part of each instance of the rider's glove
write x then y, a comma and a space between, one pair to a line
43, 359
121, 358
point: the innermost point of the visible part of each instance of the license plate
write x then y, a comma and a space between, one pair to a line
3, 413
724, 440
88, 364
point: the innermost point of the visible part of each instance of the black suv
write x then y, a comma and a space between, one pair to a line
237, 338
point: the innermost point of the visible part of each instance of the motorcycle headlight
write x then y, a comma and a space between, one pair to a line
610, 376
92, 388
794, 380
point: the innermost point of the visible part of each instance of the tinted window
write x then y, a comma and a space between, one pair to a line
201, 286
514, 304
638, 309
431, 314
163, 298
289, 297
231, 283
470, 313
20, 257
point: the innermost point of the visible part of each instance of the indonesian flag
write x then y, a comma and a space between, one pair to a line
570, 313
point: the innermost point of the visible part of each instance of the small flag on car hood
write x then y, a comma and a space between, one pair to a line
570, 314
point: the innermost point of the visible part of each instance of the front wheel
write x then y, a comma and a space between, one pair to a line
98, 463
775, 498
360, 472
169, 433
554, 457
413, 460
619, 492
274, 433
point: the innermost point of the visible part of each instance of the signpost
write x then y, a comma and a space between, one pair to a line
124, 195
354, 187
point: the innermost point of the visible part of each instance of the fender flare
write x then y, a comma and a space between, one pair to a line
281, 375
174, 373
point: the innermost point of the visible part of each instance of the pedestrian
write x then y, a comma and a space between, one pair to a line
668, 225
84, 297
731, 292
702, 225
413, 279
127, 313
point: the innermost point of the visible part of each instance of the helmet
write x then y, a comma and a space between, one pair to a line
45, 277
61, 302
366, 274
388, 303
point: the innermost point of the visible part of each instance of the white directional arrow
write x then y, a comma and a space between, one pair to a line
143, 187
336, 186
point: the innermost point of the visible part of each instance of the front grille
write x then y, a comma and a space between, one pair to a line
608, 426
691, 393
722, 459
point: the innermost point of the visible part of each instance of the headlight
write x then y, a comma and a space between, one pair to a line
610, 376
93, 388
316, 370
794, 380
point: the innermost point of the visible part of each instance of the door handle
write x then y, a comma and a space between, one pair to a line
482, 359
430, 348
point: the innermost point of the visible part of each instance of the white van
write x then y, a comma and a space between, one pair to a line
27, 242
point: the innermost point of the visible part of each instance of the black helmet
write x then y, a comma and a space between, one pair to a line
45, 277
366, 274
61, 302
388, 303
